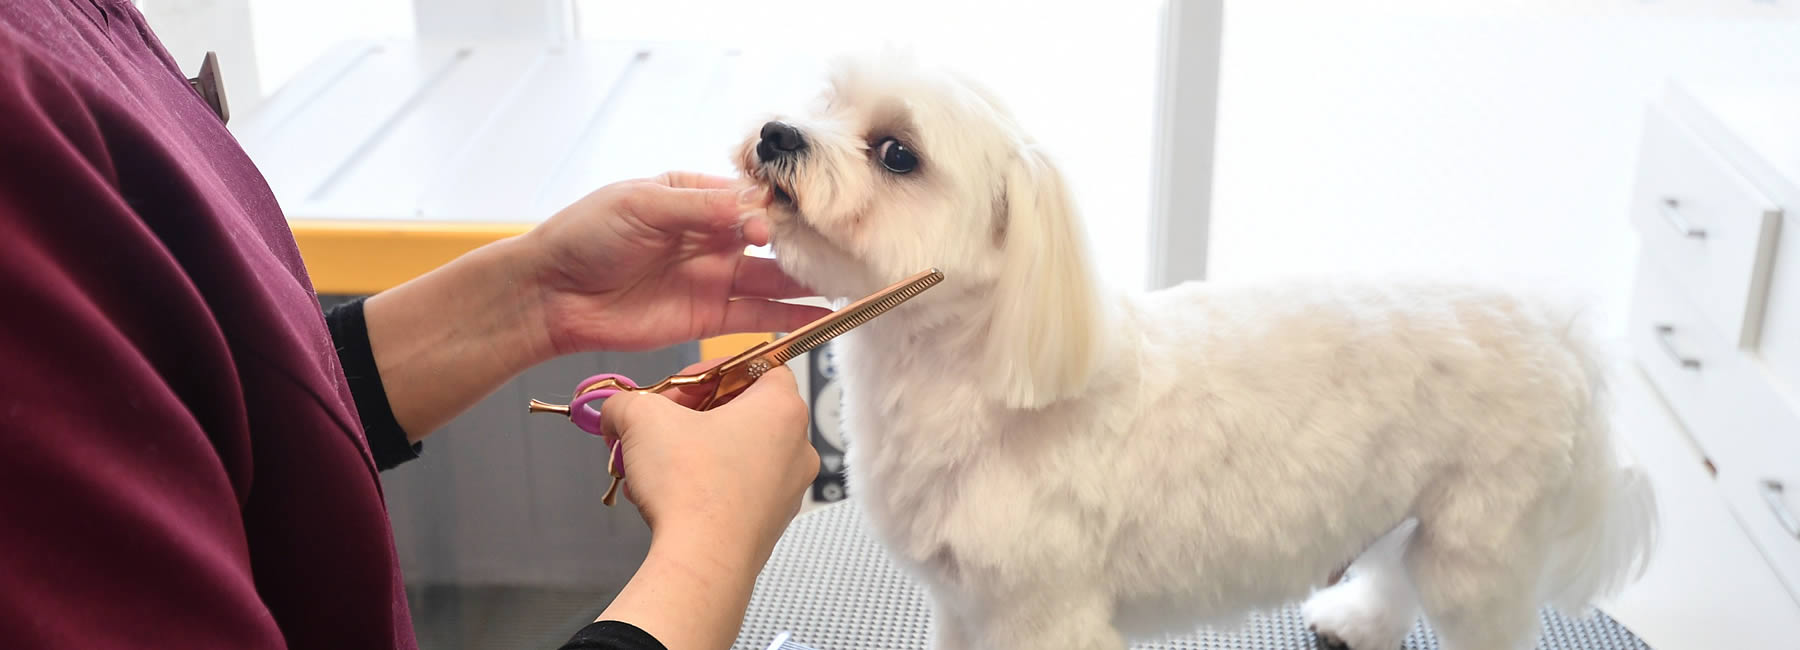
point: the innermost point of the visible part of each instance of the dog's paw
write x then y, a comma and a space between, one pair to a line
1328, 642
1356, 615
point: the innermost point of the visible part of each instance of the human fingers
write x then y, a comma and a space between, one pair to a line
674, 210
753, 227
691, 396
695, 180
621, 412
701, 366
774, 399
761, 277
776, 394
756, 315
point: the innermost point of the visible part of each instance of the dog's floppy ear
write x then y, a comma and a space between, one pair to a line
1045, 338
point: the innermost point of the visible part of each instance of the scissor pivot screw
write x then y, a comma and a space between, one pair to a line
757, 368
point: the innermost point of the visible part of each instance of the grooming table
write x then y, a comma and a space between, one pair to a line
831, 585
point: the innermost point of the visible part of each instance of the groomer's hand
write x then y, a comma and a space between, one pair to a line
635, 265
734, 474
718, 488
647, 263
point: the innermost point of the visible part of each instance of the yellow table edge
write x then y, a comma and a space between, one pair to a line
346, 257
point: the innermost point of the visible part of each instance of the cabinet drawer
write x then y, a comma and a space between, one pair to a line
1779, 346
1678, 349
1731, 407
1768, 508
1755, 442
1704, 225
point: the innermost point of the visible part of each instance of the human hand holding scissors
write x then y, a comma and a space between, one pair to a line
724, 381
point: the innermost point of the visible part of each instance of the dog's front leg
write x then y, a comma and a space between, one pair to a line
949, 629
1042, 619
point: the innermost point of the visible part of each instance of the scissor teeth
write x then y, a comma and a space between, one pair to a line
860, 316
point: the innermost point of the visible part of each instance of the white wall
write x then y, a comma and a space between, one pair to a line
189, 29
1493, 140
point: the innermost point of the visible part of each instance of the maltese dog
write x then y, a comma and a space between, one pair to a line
1063, 465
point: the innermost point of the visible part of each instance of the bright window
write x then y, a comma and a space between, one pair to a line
1081, 78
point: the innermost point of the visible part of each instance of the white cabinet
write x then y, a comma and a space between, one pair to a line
1702, 222
1716, 313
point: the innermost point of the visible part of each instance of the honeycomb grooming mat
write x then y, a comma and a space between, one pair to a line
785, 641
829, 586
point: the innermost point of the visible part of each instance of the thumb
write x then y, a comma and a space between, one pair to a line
776, 384
621, 412
694, 180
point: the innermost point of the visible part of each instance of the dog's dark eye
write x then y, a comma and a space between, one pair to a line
896, 157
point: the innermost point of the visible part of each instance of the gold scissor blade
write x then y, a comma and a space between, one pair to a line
737, 374
852, 316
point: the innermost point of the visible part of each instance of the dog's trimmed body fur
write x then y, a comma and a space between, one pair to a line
1067, 466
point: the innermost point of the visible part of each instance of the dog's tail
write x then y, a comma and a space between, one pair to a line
1597, 558
1607, 525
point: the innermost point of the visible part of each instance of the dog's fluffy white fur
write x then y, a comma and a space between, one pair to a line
1063, 465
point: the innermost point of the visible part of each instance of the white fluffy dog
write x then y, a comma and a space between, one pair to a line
1066, 466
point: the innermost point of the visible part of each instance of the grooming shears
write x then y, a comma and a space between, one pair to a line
728, 379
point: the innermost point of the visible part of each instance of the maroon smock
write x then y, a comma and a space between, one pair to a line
181, 460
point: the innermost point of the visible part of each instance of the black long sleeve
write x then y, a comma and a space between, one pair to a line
388, 443
350, 334
612, 635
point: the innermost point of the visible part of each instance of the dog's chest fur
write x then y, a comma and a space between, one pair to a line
938, 464
911, 445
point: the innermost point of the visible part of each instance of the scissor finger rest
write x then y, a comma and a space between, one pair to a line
585, 414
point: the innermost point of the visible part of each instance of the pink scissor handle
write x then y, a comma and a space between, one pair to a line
587, 418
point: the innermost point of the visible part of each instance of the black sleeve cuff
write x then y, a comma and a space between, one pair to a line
612, 635
350, 333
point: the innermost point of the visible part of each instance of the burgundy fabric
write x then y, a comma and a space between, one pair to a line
181, 463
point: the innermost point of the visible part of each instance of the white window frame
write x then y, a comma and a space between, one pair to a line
1186, 123
548, 20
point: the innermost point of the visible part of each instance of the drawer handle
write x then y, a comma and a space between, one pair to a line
1671, 212
1772, 492
1663, 332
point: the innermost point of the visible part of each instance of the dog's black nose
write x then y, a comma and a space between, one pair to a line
779, 139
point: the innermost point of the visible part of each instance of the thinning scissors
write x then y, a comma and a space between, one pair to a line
730, 378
